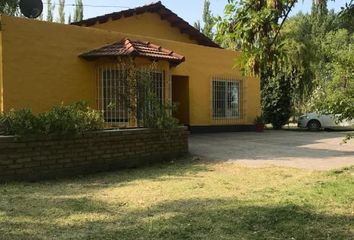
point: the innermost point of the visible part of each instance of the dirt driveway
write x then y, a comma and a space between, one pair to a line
299, 149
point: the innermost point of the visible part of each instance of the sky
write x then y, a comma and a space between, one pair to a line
190, 10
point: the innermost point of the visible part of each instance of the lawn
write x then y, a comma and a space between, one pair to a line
183, 200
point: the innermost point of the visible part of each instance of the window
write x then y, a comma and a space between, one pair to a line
114, 103
114, 100
225, 99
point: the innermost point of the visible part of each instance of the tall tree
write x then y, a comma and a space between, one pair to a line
50, 10
197, 25
255, 28
79, 11
61, 11
208, 21
9, 7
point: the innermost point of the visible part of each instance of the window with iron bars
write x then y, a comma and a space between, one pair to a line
226, 99
113, 94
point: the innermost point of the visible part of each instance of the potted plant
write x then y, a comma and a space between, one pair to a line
259, 123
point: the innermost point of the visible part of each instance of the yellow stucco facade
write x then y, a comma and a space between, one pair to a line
146, 24
41, 67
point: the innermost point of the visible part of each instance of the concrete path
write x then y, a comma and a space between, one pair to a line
298, 149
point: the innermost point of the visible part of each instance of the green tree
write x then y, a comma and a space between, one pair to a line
50, 10
276, 102
301, 39
61, 11
338, 90
79, 11
9, 7
208, 21
259, 29
197, 26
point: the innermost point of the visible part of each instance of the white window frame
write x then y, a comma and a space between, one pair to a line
215, 102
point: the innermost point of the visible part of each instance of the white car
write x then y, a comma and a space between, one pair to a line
315, 121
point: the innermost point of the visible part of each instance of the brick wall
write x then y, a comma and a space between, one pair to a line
34, 158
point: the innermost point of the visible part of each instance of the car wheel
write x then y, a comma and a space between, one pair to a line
314, 125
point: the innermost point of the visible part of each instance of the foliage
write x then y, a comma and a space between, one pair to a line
302, 38
346, 17
61, 11
19, 122
253, 27
70, 120
154, 114
50, 10
339, 88
276, 102
60, 120
208, 21
145, 107
259, 120
78, 11
295, 48
9, 7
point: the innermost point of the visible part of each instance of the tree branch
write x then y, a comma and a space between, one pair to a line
282, 23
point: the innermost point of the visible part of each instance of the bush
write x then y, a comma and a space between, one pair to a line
155, 114
72, 119
276, 100
19, 122
60, 120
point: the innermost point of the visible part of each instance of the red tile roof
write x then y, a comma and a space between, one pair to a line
128, 47
165, 14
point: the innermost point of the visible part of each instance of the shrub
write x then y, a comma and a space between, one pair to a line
276, 100
60, 120
19, 122
155, 114
72, 119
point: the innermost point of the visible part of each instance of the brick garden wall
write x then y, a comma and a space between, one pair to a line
35, 158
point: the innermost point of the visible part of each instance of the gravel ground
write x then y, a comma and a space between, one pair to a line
298, 149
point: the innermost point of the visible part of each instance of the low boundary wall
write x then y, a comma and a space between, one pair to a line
44, 157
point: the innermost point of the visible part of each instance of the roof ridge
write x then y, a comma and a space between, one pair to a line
128, 47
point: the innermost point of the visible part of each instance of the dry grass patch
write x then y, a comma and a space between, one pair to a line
185, 200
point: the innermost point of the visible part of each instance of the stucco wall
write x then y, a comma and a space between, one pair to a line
146, 24
42, 68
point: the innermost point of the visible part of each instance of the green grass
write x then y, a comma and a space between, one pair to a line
184, 200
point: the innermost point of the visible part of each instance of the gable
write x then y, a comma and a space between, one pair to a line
154, 20
147, 24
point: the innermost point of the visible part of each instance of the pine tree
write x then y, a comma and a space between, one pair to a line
208, 21
79, 11
197, 26
50, 9
9, 7
61, 11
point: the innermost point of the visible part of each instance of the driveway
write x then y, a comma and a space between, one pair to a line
298, 149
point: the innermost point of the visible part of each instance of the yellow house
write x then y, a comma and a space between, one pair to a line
43, 64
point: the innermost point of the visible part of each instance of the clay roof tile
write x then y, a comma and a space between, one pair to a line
127, 47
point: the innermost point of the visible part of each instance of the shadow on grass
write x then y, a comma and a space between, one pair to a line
206, 219
179, 168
